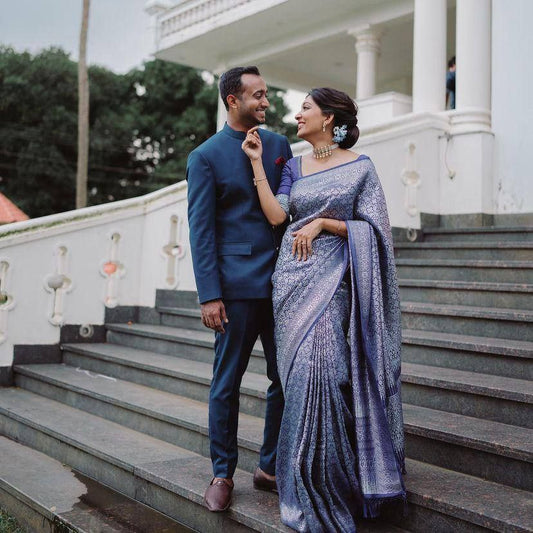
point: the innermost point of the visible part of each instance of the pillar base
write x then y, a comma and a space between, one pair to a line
383, 108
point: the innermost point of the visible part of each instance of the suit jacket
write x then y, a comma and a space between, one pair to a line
234, 248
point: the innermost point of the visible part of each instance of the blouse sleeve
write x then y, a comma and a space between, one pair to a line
284, 189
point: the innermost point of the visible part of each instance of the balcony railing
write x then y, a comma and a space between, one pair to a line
193, 12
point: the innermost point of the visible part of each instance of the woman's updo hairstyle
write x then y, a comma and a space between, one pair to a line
343, 109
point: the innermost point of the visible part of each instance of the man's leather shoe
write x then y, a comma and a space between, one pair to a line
218, 495
262, 482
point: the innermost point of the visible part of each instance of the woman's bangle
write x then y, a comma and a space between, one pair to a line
256, 181
339, 227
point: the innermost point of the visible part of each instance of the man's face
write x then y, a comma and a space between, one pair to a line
252, 103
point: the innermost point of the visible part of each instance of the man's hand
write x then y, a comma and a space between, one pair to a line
214, 315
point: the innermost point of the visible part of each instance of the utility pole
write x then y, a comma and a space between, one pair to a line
83, 113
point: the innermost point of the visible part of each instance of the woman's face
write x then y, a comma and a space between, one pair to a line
310, 119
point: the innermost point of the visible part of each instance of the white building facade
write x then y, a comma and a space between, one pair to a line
391, 56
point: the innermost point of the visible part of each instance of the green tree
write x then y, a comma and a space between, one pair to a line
142, 127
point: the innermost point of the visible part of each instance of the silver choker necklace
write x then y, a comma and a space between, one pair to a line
324, 151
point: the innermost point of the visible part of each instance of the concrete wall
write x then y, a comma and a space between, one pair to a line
77, 245
512, 105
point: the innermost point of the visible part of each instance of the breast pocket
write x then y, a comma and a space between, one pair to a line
234, 248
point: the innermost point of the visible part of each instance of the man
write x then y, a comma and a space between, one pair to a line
450, 83
234, 251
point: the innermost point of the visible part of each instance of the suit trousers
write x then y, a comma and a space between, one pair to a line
248, 320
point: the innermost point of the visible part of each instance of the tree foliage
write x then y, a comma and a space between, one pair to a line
143, 124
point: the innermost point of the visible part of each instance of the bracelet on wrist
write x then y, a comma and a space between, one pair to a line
257, 181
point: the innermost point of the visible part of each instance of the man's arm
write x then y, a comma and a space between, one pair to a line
201, 196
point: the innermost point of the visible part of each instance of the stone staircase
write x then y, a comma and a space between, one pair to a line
131, 413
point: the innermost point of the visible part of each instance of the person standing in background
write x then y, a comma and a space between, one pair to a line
450, 84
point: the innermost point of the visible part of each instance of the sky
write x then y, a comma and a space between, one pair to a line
119, 34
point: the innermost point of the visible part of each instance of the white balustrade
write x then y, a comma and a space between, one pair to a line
193, 12
87, 260
173, 252
411, 180
112, 270
6, 300
58, 284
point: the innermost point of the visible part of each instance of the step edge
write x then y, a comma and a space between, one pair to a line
182, 375
467, 311
136, 408
469, 515
254, 445
143, 473
473, 286
121, 328
427, 338
478, 390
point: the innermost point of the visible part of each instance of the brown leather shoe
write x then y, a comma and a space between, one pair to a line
218, 495
262, 482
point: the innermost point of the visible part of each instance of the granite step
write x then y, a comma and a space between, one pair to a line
45, 495
161, 475
489, 450
489, 397
500, 251
466, 270
485, 355
191, 344
465, 503
173, 298
176, 419
480, 234
476, 394
468, 320
163, 372
481, 294
181, 317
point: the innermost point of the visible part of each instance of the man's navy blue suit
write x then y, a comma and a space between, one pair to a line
234, 250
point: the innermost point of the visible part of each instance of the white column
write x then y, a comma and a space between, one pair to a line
473, 76
222, 114
429, 56
367, 46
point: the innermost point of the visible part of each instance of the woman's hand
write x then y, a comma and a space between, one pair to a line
252, 144
303, 239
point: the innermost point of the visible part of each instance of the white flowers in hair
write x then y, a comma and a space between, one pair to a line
339, 133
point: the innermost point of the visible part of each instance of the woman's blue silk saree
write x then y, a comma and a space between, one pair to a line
337, 317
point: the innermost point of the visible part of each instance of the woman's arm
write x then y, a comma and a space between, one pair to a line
302, 245
337, 227
269, 204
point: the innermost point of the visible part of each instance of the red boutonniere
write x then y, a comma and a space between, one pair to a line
280, 161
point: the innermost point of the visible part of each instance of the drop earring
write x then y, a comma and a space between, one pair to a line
324, 128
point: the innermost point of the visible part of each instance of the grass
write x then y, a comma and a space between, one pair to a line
8, 524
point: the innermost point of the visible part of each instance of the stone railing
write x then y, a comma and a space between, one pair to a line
192, 12
68, 268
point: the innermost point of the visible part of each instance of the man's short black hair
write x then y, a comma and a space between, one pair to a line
230, 82
451, 62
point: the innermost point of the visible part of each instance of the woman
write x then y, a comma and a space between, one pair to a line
337, 320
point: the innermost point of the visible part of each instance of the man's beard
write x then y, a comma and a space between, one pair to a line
252, 120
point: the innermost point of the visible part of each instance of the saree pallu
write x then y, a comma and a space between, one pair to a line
338, 337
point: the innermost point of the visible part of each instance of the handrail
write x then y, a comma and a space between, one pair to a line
95, 213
